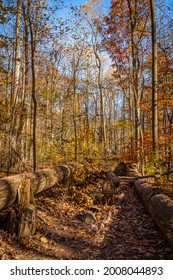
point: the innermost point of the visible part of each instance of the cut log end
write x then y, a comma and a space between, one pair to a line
27, 223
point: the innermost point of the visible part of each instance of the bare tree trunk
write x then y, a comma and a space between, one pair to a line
33, 49
15, 86
154, 79
17, 54
133, 21
74, 119
25, 77
102, 118
34, 102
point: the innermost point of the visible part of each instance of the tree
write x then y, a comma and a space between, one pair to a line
60, 98
91, 12
14, 97
154, 79
125, 37
33, 26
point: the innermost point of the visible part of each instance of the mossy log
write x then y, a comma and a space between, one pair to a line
39, 180
159, 206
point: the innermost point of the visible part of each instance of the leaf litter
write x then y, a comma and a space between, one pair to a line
121, 232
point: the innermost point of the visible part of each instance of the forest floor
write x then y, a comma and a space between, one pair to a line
122, 231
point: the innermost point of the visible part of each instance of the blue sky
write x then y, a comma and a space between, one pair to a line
64, 10
106, 3
68, 3
82, 2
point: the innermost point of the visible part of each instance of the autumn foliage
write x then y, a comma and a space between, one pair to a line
62, 98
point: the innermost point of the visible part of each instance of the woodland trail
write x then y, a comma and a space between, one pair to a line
121, 232
133, 234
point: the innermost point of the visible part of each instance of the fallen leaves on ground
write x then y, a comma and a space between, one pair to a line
120, 232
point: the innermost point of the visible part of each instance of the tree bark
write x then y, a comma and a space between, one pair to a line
15, 86
40, 181
159, 206
33, 50
17, 54
154, 79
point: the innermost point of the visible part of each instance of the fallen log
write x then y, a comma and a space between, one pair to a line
113, 180
39, 181
17, 195
159, 206
121, 169
145, 191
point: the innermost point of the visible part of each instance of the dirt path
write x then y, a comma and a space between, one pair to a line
133, 234
121, 232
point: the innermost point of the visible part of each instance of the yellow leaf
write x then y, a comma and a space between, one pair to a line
152, 250
44, 240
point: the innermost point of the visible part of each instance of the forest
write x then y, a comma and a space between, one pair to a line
62, 97
86, 94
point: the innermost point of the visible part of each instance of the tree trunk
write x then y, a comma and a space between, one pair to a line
74, 118
154, 79
33, 49
17, 54
15, 86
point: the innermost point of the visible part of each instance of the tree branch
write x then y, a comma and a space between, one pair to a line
154, 175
